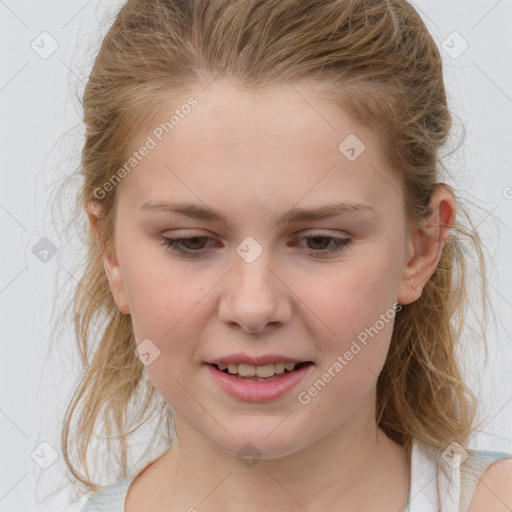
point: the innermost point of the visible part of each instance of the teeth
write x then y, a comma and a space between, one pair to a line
257, 379
265, 371
249, 370
246, 370
279, 367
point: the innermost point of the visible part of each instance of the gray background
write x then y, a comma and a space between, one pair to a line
40, 141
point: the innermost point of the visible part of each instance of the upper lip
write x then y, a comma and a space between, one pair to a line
256, 360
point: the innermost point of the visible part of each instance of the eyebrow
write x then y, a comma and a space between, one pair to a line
197, 211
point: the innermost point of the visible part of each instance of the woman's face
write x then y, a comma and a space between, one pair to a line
279, 265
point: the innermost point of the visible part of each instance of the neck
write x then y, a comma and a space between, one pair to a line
345, 470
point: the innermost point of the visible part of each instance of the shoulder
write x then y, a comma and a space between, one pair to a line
493, 492
108, 499
115, 497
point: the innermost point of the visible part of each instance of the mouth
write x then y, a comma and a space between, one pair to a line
264, 373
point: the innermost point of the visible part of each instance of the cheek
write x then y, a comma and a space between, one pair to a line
169, 309
166, 303
352, 358
351, 299
357, 317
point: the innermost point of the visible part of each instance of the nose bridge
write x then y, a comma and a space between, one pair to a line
252, 279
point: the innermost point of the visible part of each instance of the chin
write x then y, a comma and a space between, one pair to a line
257, 446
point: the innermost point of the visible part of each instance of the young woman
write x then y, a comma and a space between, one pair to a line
274, 265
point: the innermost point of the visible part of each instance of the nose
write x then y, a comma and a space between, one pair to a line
254, 296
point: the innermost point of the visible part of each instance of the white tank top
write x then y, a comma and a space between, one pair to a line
456, 488
455, 491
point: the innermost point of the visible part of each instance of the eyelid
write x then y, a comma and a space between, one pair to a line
325, 232
187, 232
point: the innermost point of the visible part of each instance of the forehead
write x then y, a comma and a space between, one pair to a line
283, 144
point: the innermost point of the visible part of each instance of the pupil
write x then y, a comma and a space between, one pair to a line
316, 239
193, 241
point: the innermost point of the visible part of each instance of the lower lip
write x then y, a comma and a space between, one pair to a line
258, 391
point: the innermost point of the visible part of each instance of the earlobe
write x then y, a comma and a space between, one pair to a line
115, 280
426, 245
93, 211
110, 263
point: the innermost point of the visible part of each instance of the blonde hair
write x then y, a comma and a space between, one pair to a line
377, 60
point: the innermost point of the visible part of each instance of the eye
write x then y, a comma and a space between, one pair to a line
175, 244
320, 243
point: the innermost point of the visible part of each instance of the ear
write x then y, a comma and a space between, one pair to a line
426, 245
110, 263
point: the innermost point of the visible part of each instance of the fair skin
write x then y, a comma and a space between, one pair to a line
252, 157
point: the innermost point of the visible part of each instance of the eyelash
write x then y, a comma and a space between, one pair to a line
340, 244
